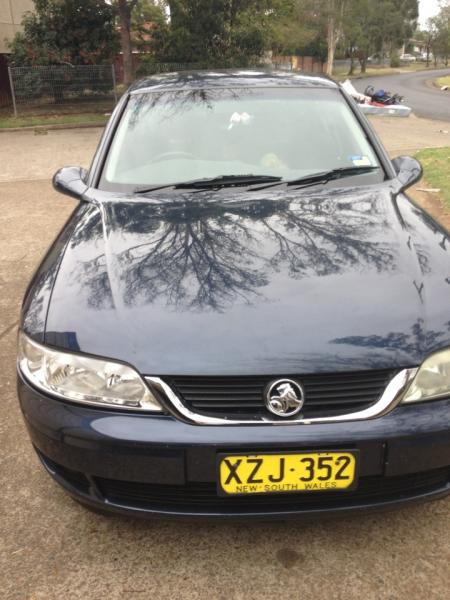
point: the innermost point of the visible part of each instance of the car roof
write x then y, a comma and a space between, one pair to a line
230, 79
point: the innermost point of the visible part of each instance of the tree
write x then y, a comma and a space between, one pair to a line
380, 27
314, 27
363, 26
147, 19
440, 33
297, 30
219, 31
78, 32
399, 23
426, 38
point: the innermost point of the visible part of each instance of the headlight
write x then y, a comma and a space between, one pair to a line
432, 379
84, 379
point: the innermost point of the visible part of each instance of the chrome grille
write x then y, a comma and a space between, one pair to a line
326, 394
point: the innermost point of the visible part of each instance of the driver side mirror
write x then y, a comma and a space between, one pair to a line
71, 181
409, 171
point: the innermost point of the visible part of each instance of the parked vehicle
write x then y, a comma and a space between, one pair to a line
424, 57
244, 316
410, 58
378, 58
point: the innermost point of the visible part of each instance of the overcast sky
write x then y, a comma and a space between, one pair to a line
428, 8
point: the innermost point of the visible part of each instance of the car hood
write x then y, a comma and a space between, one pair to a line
237, 282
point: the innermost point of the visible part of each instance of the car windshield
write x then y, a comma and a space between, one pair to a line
171, 137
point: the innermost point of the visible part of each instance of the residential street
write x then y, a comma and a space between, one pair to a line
50, 545
425, 99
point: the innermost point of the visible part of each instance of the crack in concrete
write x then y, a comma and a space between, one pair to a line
8, 330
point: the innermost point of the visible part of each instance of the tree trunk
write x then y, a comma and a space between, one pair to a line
334, 30
351, 71
124, 9
331, 43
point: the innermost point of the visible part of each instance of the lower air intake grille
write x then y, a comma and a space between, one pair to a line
203, 496
325, 394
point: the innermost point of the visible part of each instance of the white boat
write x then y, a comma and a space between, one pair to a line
394, 110
369, 108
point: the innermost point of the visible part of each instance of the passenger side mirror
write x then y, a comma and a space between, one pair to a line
71, 181
409, 171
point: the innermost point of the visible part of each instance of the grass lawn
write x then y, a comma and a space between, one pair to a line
443, 81
7, 122
436, 166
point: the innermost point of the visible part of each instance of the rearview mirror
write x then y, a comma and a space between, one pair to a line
409, 171
70, 181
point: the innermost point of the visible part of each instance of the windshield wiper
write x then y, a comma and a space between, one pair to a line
324, 176
213, 182
271, 180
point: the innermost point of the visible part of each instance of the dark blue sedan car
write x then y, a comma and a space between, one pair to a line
245, 315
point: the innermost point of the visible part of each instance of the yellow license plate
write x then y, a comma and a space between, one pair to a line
290, 472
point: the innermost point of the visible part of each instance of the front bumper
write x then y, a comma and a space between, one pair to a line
159, 466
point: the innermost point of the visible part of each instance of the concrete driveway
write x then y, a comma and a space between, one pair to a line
50, 548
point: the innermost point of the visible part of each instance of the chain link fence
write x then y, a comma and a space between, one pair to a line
149, 68
59, 87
